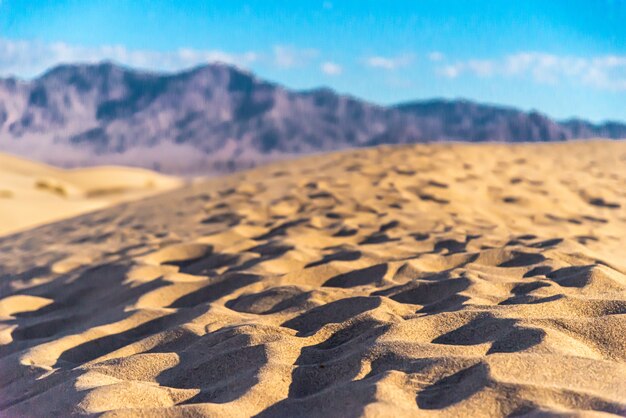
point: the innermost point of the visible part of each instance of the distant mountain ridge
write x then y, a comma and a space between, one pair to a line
220, 118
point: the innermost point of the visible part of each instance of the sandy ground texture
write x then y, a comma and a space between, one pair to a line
430, 280
33, 194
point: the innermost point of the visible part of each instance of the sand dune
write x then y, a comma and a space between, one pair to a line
33, 193
430, 280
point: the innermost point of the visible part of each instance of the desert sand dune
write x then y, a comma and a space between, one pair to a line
429, 280
33, 193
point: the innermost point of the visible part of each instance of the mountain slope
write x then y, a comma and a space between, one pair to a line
222, 118
467, 121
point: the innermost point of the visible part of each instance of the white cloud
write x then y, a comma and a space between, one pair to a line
450, 71
287, 57
602, 72
331, 68
29, 58
436, 56
482, 68
389, 63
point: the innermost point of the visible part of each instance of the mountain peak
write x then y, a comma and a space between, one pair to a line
100, 67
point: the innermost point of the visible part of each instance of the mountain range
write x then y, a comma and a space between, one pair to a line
218, 118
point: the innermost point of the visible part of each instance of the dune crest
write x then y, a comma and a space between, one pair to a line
430, 280
33, 194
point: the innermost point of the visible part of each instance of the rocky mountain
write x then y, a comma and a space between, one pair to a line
220, 118
463, 120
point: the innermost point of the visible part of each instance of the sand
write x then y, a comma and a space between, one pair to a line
33, 194
430, 280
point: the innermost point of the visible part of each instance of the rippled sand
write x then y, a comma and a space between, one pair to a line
431, 280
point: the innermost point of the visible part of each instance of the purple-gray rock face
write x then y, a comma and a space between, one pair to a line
218, 118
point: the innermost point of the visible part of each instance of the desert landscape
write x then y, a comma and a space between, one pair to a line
415, 280
217, 118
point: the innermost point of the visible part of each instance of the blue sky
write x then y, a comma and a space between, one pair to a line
564, 58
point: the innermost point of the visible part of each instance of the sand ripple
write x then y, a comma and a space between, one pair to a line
446, 280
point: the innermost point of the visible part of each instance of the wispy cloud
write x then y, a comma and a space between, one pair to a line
331, 68
436, 56
28, 58
287, 57
389, 63
603, 72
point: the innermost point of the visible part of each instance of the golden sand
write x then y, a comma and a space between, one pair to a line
429, 280
33, 194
